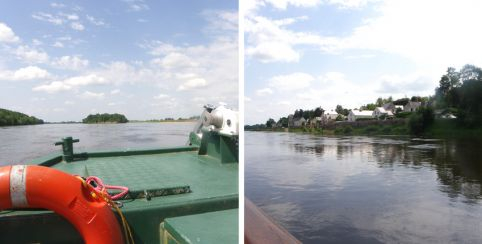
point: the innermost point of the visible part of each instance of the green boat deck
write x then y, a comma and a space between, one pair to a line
198, 228
163, 183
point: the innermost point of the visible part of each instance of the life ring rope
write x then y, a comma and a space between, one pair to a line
100, 190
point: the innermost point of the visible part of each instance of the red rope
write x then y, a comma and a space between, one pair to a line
102, 188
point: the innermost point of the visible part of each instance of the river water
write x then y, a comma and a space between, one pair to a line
23, 143
367, 189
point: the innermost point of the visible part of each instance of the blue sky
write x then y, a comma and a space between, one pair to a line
310, 53
61, 61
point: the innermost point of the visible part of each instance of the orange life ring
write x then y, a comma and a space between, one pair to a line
43, 187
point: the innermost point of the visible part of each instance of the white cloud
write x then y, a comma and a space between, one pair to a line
92, 95
94, 21
158, 48
332, 77
294, 81
64, 18
58, 44
192, 83
31, 55
121, 72
283, 4
421, 38
272, 52
418, 38
211, 68
7, 34
30, 72
57, 5
115, 91
264, 92
161, 96
136, 5
56, 20
68, 102
398, 86
77, 26
221, 21
247, 99
285, 103
69, 16
71, 83
71, 62
350, 3
91, 79
53, 87
36, 42
175, 60
270, 40
26, 73
58, 109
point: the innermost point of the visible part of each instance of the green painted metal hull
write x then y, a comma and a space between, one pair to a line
163, 183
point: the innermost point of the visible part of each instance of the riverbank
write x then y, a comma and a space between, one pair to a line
441, 128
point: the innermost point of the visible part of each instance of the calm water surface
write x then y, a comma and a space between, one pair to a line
24, 143
367, 189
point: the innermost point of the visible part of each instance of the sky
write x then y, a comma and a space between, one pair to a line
60, 61
310, 53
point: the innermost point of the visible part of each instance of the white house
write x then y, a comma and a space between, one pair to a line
360, 114
330, 116
392, 107
291, 121
380, 111
316, 122
411, 106
299, 122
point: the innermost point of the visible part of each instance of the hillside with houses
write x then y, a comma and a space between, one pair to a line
457, 99
319, 118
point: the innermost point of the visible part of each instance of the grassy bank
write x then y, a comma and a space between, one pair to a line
450, 128
439, 129
346, 130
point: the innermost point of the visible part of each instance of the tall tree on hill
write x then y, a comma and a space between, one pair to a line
446, 94
339, 109
319, 112
270, 123
469, 103
283, 121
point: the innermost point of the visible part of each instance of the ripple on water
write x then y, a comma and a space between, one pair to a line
367, 189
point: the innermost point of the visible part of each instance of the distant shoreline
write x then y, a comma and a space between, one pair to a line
131, 121
440, 129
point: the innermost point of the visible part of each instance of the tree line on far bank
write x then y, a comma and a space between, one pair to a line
105, 118
8, 117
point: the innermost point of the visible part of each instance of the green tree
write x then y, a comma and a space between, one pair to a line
8, 117
470, 96
319, 112
420, 120
370, 106
270, 123
283, 121
379, 102
339, 109
105, 118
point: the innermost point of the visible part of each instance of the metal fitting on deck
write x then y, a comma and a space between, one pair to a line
67, 148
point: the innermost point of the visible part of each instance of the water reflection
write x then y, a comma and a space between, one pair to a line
367, 189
